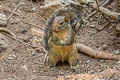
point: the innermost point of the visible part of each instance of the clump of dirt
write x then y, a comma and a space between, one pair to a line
25, 62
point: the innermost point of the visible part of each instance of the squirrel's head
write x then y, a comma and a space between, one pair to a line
60, 23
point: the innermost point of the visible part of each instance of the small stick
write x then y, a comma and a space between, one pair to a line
17, 39
13, 36
32, 24
42, 18
45, 57
93, 13
4, 30
14, 11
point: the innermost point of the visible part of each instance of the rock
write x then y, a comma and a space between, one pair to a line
24, 67
116, 51
50, 6
105, 47
3, 45
92, 25
118, 27
38, 50
3, 19
118, 62
10, 58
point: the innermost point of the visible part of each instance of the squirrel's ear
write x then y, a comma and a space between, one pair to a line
67, 18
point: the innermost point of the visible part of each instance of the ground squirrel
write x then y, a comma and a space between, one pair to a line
61, 43
59, 37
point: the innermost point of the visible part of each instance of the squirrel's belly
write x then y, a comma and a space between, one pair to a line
63, 52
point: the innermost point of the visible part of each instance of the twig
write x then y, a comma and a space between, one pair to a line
13, 36
17, 39
104, 3
42, 18
14, 10
45, 57
101, 12
32, 24
4, 30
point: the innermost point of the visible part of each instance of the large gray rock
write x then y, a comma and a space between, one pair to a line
3, 19
50, 6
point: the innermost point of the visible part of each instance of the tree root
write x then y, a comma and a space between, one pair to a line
97, 54
6, 31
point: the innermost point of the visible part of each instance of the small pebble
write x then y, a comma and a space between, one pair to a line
105, 47
24, 67
116, 52
3, 19
118, 62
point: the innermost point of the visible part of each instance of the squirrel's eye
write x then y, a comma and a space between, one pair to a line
61, 23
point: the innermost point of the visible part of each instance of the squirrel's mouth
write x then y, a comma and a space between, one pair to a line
56, 30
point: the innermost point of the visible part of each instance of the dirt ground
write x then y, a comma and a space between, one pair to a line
25, 63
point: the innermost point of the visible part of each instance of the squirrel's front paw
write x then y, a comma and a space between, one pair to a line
62, 43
